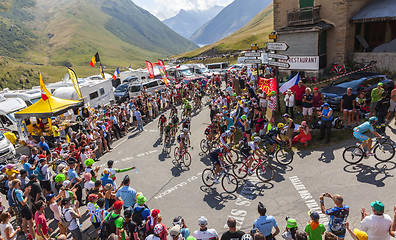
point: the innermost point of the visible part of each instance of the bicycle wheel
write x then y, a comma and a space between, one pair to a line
232, 156
186, 159
384, 152
208, 177
240, 170
353, 154
204, 146
176, 153
229, 183
284, 156
265, 172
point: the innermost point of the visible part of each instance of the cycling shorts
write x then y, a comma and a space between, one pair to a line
245, 153
270, 140
215, 160
360, 137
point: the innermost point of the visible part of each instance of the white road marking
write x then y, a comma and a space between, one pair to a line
309, 200
177, 186
131, 157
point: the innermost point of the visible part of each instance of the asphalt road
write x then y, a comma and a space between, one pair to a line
177, 190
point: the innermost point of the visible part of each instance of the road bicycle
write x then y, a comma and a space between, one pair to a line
228, 181
206, 145
167, 145
264, 171
383, 151
161, 127
183, 156
282, 153
338, 69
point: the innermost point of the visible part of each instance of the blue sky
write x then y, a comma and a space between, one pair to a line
164, 9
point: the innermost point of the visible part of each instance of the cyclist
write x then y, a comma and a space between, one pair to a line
162, 122
168, 130
209, 132
246, 149
273, 137
359, 130
182, 138
186, 123
227, 134
216, 157
187, 108
173, 111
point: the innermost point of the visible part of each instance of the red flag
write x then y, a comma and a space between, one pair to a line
161, 63
267, 84
150, 69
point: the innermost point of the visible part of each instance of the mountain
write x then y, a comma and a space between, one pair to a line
230, 19
255, 31
187, 22
69, 32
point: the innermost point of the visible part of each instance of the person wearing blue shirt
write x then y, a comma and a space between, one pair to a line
338, 214
126, 193
74, 178
27, 166
43, 145
365, 140
265, 223
327, 119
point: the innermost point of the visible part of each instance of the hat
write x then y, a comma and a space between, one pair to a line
42, 156
315, 88
360, 234
285, 115
118, 204
185, 232
175, 231
89, 162
41, 160
155, 212
66, 183
378, 206
60, 178
291, 223
140, 199
202, 221
314, 215
380, 84
10, 166
66, 200
49, 196
71, 161
126, 179
243, 117
128, 212
23, 157
288, 91
32, 176
325, 104
92, 197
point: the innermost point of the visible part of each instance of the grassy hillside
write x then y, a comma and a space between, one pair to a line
256, 31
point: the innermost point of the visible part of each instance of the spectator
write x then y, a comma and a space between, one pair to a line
317, 99
375, 97
360, 104
382, 109
330, 236
141, 212
36, 192
44, 148
289, 101
264, 223
392, 107
233, 233
74, 178
6, 229
158, 229
92, 208
130, 226
377, 225
55, 132
298, 91
174, 232
304, 134
42, 228
116, 218
139, 120
290, 127
307, 105
205, 233
262, 100
314, 229
300, 235
356, 234
126, 193
348, 107
72, 215
55, 206
327, 118
338, 214
27, 165
291, 229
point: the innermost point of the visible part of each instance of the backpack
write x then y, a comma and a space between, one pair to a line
40, 175
338, 123
63, 220
108, 226
137, 215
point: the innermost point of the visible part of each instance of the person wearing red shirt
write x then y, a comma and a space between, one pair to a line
41, 223
299, 91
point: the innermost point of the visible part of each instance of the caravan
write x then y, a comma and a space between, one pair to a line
29, 96
9, 106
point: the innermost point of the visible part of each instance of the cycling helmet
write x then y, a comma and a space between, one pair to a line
257, 139
285, 115
170, 124
280, 125
188, 119
162, 115
232, 128
373, 119
128, 212
247, 236
175, 115
185, 129
177, 220
158, 229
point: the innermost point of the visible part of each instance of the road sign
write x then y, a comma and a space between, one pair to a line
254, 47
252, 61
279, 64
278, 56
252, 54
273, 36
280, 46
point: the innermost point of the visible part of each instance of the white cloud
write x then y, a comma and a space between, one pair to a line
164, 9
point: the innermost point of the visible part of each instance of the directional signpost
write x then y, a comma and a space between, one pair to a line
278, 56
252, 61
252, 54
277, 46
279, 64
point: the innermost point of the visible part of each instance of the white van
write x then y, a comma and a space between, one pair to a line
7, 150
151, 86
29, 96
9, 106
221, 67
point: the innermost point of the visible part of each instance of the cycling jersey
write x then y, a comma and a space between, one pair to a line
224, 136
175, 120
209, 129
359, 130
162, 120
168, 128
183, 136
246, 148
214, 156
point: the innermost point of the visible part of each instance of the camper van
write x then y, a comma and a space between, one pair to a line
29, 96
200, 69
151, 86
9, 106
218, 67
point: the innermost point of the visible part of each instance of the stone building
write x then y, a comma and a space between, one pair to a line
323, 32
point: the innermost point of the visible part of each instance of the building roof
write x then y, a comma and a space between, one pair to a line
377, 10
316, 27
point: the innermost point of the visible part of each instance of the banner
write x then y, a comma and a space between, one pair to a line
73, 77
161, 63
150, 69
267, 84
44, 92
164, 78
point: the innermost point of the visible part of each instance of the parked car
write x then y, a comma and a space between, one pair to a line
121, 93
359, 82
130, 79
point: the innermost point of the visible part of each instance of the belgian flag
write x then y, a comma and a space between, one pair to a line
94, 60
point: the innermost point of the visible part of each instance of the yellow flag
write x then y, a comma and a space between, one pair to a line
45, 94
73, 77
